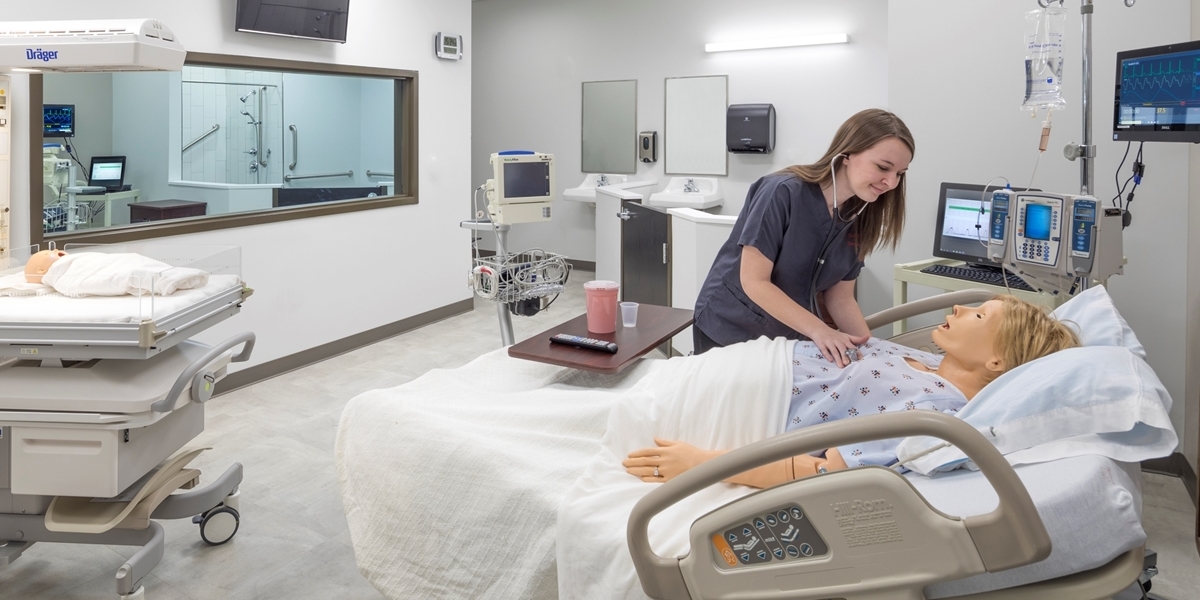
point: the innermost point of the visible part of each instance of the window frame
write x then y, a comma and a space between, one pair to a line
405, 137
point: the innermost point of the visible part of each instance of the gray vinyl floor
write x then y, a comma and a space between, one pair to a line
293, 541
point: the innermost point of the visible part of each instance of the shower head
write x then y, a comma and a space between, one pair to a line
248, 94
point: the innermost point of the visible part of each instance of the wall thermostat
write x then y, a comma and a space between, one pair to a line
448, 46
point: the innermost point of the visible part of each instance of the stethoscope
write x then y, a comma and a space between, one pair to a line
831, 238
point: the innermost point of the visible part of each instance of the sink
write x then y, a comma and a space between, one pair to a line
586, 192
707, 195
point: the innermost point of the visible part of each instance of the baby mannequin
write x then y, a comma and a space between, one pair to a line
40, 263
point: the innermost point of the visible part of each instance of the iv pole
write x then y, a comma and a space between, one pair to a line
1085, 152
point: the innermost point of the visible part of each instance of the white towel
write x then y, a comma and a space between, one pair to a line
103, 274
16, 285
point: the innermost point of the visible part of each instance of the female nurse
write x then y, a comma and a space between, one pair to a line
803, 233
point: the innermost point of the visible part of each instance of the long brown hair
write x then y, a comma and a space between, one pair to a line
882, 221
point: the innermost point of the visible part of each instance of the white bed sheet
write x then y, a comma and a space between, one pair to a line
56, 308
453, 483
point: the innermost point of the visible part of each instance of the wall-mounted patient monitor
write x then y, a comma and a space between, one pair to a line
58, 120
522, 189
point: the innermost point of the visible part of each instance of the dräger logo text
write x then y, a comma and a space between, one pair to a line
42, 55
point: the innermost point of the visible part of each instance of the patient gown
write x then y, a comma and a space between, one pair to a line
881, 382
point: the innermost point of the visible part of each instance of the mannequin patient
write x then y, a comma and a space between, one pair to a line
980, 344
39, 264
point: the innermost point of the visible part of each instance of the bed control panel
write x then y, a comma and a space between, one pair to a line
783, 534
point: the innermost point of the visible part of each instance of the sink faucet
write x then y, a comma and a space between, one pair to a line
602, 180
690, 186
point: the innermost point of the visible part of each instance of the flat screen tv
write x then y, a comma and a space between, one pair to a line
1157, 96
313, 19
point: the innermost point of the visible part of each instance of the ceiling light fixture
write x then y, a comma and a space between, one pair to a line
756, 44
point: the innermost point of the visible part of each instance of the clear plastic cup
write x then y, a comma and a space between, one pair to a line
601, 298
629, 314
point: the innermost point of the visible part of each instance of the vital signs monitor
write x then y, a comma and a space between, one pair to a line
522, 189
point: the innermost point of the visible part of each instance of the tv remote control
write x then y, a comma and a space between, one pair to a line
582, 342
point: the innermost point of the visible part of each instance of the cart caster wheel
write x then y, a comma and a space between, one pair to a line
218, 525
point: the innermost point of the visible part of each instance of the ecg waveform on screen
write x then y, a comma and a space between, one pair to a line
1166, 82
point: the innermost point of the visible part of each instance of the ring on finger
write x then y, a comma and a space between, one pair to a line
656, 474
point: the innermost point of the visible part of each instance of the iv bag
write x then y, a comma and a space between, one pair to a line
1044, 59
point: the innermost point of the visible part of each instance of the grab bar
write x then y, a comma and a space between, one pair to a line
215, 127
371, 173
291, 177
258, 127
295, 146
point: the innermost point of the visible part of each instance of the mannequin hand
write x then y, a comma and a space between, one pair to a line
670, 457
833, 344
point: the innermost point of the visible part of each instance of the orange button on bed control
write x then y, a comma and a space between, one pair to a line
724, 549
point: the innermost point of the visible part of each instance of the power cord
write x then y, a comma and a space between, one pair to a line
1139, 171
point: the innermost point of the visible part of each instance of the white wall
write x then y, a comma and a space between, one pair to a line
956, 76
533, 56
1191, 445
291, 265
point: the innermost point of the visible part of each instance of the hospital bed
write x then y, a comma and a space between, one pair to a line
97, 397
496, 501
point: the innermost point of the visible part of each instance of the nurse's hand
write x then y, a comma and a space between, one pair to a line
833, 344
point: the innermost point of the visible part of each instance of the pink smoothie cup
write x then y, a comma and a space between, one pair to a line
601, 297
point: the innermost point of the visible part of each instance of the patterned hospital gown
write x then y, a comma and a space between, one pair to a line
881, 382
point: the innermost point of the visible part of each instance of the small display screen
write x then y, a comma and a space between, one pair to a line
526, 179
58, 120
1037, 221
1087, 214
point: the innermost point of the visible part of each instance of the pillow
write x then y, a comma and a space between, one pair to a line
1091, 400
1094, 317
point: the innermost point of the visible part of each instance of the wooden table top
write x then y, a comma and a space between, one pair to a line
655, 325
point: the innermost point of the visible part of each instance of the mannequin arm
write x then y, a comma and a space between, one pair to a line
672, 458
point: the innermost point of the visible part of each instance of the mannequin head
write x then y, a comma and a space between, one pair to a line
1001, 334
39, 264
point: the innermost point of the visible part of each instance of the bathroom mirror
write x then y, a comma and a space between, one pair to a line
694, 125
610, 126
226, 142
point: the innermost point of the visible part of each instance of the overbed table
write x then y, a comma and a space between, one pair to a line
655, 325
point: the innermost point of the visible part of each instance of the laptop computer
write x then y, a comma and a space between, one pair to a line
108, 172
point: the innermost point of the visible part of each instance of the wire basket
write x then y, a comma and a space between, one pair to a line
520, 276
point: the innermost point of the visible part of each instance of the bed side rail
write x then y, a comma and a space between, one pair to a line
924, 305
1012, 535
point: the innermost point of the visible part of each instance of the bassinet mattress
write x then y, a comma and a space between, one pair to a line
1091, 507
56, 308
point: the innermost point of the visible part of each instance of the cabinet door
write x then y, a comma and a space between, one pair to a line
645, 263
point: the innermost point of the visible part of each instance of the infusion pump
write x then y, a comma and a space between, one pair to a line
1051, 240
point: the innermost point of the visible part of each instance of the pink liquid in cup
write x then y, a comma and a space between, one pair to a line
601, 298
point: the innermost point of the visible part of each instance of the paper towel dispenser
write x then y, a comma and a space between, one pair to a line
750, 128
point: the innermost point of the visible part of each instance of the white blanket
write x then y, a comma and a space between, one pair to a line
15, 284
103, 274
723, 399
451, 482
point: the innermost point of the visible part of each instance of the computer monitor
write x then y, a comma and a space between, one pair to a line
962, 223
58, 120
108, 172
1156, 98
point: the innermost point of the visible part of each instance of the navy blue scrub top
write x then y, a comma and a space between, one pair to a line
786, 219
